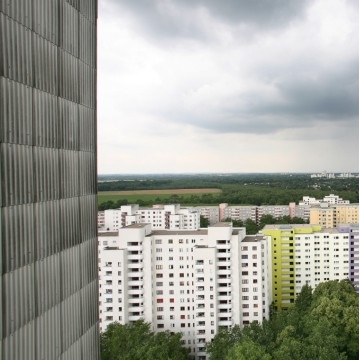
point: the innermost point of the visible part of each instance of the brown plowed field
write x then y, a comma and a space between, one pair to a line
165, 191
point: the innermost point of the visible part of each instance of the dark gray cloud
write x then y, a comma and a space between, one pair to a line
306, 99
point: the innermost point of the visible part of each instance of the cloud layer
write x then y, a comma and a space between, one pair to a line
196, 83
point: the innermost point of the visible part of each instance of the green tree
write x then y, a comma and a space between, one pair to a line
304, 299
265, 220
137, 342
204, 222
223, 341
251, 227
247, 349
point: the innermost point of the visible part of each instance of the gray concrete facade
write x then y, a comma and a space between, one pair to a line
48, 212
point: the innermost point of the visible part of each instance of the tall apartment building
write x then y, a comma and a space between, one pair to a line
276, 211
48, 282
308, 254
209, 212
193, 282
330, 216
240, 213
160, 217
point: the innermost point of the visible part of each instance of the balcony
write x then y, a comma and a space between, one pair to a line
134, 300
136, 257
224, 272
225, 312
225, 322
136, 292
136, 308
135, 282
135, 265
224, 306
136, 248
135, 317
135, 274
223, 280
223, 246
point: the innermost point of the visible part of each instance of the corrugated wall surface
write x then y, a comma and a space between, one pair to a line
48, 209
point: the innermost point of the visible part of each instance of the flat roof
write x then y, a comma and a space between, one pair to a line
287, 226
179, 232
222, 224
108, 233
253, 238
136, 226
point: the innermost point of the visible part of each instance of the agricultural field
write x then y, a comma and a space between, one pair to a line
151, 196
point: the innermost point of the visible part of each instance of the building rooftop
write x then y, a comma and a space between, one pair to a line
108, 233
253, 238
222, 224
179, 232
136, 226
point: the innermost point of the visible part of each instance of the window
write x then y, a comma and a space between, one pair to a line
158, 241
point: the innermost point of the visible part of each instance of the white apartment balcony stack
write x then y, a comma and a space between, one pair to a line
188, 281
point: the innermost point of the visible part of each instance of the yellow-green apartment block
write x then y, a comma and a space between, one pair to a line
283, 260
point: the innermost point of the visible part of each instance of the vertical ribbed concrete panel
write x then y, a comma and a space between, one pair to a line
48, 212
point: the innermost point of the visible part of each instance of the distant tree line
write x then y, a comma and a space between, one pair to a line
323, 324
265, 189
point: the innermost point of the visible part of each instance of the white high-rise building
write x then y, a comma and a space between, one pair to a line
160, 217
193, 282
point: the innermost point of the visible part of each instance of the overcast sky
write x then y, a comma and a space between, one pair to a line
228, 86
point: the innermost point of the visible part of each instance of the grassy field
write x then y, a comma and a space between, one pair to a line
149, 195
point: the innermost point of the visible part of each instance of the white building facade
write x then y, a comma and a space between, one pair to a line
160, 217
193, 282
